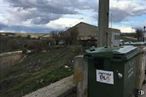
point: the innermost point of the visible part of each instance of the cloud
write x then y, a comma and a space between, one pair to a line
39, 11
21, 28
44, 11
64, 23
52, 12
118, 15
127, 29
2, 26
122, 10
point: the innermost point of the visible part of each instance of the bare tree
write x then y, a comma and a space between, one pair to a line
55, 36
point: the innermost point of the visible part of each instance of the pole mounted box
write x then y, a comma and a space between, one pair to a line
111, 71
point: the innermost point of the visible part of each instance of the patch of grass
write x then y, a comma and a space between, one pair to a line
36, 71
34, 82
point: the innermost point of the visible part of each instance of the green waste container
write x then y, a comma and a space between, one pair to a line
141, 64
111, 71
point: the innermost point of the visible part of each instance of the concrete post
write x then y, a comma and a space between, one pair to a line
81, 76
103, 23
80, 66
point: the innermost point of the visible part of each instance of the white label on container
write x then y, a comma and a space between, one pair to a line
105, 76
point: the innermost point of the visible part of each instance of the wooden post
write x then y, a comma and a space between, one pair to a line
81, 76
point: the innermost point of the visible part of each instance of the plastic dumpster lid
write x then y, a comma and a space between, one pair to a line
120, 50
124, 49
125, 52
121, 53
135, 43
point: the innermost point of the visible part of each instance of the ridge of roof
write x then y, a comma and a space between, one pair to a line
90, 25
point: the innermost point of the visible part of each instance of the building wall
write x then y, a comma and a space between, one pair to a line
145, 36
87, 32
115, 39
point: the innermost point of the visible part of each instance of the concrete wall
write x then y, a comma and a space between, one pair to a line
145, 56
10, 58
81, 76
140, 68
60, 88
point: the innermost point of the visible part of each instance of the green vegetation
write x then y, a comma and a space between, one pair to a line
8, 44
37, 70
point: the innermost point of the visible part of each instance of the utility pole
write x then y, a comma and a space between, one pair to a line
103, 23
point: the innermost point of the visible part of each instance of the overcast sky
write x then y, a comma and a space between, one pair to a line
47, 15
